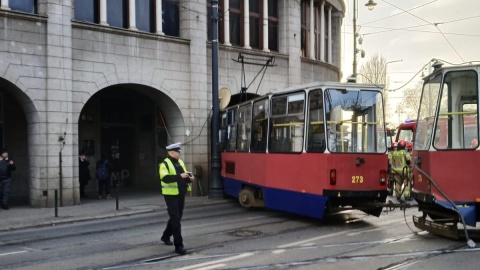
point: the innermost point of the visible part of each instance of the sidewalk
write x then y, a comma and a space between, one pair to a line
131, 202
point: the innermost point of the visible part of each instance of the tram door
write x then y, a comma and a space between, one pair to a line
118, 143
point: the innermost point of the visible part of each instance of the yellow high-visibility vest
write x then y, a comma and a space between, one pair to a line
398, 160
170, 188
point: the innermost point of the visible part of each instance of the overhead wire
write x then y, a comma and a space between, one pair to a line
436, 25
400, 13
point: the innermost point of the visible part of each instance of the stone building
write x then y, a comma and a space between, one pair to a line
127, 77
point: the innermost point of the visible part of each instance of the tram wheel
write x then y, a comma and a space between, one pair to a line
246, 197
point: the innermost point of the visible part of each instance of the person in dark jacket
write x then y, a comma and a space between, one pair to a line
6, 167
104, 175
84, 173
176, 181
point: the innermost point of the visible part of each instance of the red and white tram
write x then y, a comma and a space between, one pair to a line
307, 149
446, 159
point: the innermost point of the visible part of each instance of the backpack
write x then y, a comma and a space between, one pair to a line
102, 171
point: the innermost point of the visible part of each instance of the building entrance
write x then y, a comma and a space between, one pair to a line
118, 143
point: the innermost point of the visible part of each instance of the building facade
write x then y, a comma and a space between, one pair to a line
127, 77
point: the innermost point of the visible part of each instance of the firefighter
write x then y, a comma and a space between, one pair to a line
176, 181
398, 161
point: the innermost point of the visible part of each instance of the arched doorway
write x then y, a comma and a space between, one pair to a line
14, 130
128, 122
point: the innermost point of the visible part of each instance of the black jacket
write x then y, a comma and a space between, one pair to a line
6, 169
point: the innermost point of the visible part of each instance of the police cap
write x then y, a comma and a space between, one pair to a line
174, 147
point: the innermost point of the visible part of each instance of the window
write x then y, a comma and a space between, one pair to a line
117, 13
316, 124
287, 122
428, 103
232, 120
353, 118
457, 124
325, 37
319, 26
273, 25
171, 18
256, 25
145, 15
244, 127
87, 11
259, 126
28, 6
305, 15
236, 22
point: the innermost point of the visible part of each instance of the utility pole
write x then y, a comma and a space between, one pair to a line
215, 186
355, 40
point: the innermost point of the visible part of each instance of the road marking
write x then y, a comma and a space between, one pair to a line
308, 241
216, 266
11, 253
206, 264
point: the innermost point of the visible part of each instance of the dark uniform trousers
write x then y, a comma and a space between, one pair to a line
175, 204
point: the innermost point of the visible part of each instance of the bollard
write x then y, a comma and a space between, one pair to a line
116, 194
56, 203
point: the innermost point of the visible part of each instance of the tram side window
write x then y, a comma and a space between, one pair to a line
244, 124
287, 123
223, 140
316, 127
457, 123
259, 126
232, 130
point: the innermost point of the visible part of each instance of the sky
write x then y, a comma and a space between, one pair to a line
415, 32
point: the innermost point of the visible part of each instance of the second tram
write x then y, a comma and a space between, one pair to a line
307, 150
446, 153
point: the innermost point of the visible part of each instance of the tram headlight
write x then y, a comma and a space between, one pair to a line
333, 177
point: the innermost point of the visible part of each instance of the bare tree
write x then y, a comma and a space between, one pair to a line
374, 71
411, 101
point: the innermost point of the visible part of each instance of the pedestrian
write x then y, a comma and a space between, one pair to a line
104, 174
176, 181
84, 173
6, 167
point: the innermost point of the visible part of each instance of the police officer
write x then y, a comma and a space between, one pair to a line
398, 161
176, 181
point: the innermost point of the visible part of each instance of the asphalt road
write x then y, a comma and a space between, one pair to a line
226, 236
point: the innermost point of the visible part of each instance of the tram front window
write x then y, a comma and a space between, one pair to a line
353, 119
448, 114
456, 123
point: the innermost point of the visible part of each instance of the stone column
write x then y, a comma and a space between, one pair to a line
265, 26
61, 136
159, 17
311, 34
246, 25
5, 5
132, 19
330, 35
103, 12
226, 22
322, 32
